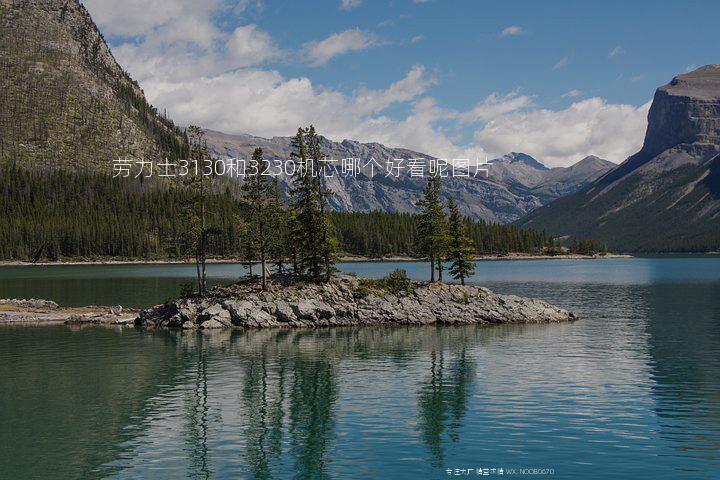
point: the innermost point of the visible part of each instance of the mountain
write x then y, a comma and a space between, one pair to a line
509, 192
560, 181
666, 197
66, 103
65, 100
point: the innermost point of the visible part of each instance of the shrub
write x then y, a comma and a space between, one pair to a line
397, 282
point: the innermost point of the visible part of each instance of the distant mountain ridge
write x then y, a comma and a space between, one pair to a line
517, 182
666, 197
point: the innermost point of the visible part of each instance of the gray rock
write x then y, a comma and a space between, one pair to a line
212, 323
330, 305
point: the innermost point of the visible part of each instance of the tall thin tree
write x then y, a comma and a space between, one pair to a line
461, 249
259, 199
432, 227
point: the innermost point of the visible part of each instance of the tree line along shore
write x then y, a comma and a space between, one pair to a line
73, 215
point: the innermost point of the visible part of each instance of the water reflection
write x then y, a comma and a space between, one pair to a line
442, 400
633, 384
684, 342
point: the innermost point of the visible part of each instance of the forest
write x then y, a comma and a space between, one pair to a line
51, 214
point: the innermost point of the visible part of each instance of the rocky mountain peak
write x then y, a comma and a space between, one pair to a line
519, 157
685, 111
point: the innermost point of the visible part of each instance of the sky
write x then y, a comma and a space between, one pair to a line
558, 80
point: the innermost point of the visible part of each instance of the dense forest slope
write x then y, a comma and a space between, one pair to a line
666, 197
65, 100
63, 213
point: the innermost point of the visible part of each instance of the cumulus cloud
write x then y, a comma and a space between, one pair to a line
224, 79
495, 105
352, 40
558, 138
512, 31
248, 45
349, 4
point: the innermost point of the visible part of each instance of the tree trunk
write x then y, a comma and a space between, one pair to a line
263, 267
440, 270
197, 266
432, 269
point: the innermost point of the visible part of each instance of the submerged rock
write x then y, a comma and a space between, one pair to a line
347, 301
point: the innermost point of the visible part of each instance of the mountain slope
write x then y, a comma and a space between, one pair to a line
666, 197
505, 196
65, 100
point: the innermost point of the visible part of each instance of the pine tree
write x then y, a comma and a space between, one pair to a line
461, 250
317, 247
259, 200
198, 231
326, 243
432, 227
280, 241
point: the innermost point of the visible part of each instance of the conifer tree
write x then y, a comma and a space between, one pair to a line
198, 231
280, 240
326, 243
432, 227
259, 200
461, 249
313, 224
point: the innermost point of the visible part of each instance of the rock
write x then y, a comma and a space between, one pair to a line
304, 309
212, 323
284, 313
30, 303
215, 312
117, 310
327, 305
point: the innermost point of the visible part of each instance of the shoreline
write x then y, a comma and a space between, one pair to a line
346, 300
342, 259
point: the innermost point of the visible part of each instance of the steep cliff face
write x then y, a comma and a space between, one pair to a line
504, 196
65, 100
666, 197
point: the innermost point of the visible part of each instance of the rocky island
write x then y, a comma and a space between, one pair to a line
348, 301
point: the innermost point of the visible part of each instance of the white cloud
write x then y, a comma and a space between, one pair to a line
220, 79
417, 38
495, 105
511, 31
349, 4
615, 52
352, 40
561, 63
572, 94
558, 138
248, 45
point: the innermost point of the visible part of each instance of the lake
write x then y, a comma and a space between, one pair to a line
630, 391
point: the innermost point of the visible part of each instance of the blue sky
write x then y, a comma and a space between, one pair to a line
556, 79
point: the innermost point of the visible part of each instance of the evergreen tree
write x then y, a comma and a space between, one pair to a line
306, 206
461, 250
261, 216
316, 245
198, 230
326, 243
280, 242
432, 227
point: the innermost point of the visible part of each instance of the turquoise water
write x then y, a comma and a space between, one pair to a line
630, 391
141, 286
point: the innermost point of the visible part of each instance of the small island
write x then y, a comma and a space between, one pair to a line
347, 300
